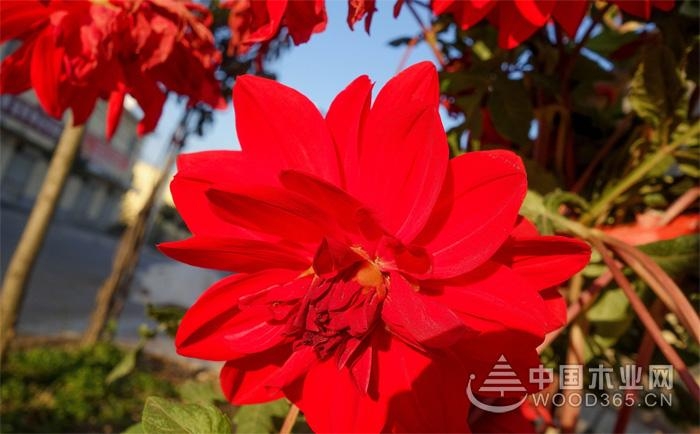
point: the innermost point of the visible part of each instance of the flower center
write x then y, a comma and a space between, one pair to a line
339, 311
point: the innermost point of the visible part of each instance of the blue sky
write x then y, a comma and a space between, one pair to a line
319, 69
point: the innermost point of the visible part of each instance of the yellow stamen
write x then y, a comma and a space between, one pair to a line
369, 275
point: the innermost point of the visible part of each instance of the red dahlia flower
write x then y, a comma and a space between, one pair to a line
516, 20
374, 274
76, 51
254, 21
642, 8
359, 9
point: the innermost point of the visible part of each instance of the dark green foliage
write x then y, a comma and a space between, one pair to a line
52, 389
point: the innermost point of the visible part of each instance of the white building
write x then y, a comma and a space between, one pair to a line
101, 173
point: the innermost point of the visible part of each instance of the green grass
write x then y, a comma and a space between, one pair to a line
58, 389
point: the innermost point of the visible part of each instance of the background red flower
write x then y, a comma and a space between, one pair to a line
73, 52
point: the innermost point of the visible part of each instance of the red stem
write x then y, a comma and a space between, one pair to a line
647, 320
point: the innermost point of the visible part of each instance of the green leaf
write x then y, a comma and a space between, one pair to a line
403, 40
168, 316
662, 167
610, 318
610, 40
511, 109
203, 392
125, 366
261, 418
482, 50
558, 197
136, 428
534, 209
457, 83
656, 89
690, 9
655, 200
538, 178
161, 416
454, 137
612, 306
677, 256
690, 169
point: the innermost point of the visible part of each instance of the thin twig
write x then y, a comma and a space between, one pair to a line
407, 53
569, 413
636, 175
584, 301
661, 283
428, 33
620, 129
646, 350
648, 321
679, 205
290, 420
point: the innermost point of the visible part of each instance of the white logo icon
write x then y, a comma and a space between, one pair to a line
501, 379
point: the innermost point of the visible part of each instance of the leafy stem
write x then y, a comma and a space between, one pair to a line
604, 203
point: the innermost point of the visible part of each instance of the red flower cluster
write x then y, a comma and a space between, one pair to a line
76, 51
375, 274
642, 8
255, 21
518, 20
259, 21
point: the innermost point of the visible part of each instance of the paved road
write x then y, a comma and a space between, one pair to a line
72, 266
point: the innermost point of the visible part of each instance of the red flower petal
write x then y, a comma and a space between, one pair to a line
638, 8
476, 211
402, 193
115, 107
524, 228
492, 299
345, 120
295, 367
419, 319
228, 254
190, 199
403, 155
466, 13
437, 402
536, 12
244, 380
304, 18
197, 173
569, 14
408, 392
216, 328
273, 211
358, 9
517, 21
46, 73
14, 70
664, 5
224, 167
20, 17
266, 20
151, 100
556, 305
332, 402
348, 212
280, 126
545, 261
